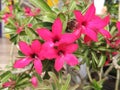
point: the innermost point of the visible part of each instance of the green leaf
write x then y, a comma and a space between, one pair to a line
39, 77
54, 78
41, 4
72, 5
65, 87
64, 20
94, 57
102, 60
5, 76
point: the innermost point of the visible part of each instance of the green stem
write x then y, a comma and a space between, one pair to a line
89, 75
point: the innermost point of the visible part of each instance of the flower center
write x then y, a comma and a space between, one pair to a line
56, 39
84, 23
33, 55
61, 52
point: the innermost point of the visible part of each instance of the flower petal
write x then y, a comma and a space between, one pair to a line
25, 48
34, 81
78, 15
57, 27
48, 50
91, 34
59, 62
118, 26
105, 33
45, 34
21, 63
90, 13
7, 84
68, 38
87, 39
71, 48
38, 65
71, 59
36, 46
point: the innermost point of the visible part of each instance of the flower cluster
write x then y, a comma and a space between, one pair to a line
41, 41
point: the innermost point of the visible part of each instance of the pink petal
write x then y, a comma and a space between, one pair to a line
59, 62
7, 84
45, 34
38, 65
118, 26
36, 46
21, 63
77, 33
68, 38
57, 27
90, 13
25, 48
91, 34
71, 48
106, 20
71, 59
78, 16
48, 50
34, 81
87, 39
105, 33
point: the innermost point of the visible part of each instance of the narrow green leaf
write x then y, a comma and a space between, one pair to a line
95, 57
55, 79
39, 77
102, 60
65, 87
5, 76
41, 4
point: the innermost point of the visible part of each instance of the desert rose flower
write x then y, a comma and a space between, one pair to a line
90, 25
64, 55
54, 38
32, 53
29, 12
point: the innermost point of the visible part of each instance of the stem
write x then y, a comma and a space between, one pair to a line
100, 74
117, 80
108, 70
89, 75
11, 53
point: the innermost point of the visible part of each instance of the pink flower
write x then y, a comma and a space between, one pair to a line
10, 83
55, 36
32, 53
8, 15
118, 27
34, 81
30, 25
29, 12
64, 55
90, 25
7, 84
